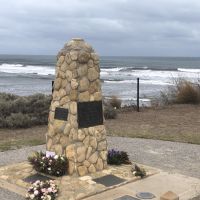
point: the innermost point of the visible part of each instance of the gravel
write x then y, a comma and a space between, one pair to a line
170, 156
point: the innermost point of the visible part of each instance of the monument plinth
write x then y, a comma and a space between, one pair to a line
75, 126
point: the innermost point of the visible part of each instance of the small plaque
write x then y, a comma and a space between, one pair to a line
145, 195
61, 114
109, 180
90, 114
35, 177
126, 197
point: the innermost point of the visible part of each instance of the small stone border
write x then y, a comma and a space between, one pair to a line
71, 187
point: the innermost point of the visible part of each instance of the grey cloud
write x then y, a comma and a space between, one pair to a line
113, 27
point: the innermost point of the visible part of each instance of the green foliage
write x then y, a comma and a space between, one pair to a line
23, 112
110, 112
117, 157
52, 165
18, 120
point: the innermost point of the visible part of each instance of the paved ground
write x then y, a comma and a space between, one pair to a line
169, 156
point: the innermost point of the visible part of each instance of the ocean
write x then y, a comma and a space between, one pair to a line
29, 74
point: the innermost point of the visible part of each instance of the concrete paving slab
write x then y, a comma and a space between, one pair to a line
185, 187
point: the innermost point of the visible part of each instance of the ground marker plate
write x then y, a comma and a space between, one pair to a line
109, 180
126, 197
145, 195
35, 177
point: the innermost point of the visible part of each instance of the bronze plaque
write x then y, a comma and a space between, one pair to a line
90, 114
61, 114
109, 180
35, 177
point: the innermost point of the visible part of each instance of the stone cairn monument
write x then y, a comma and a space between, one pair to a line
75, 126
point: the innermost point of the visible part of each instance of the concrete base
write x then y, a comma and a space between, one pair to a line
185, 187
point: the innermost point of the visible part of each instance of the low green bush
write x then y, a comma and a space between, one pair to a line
23, 112
18, 120
110, 112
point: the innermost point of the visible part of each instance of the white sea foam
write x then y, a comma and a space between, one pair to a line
114, 69
28, 69
189, 70
148, 82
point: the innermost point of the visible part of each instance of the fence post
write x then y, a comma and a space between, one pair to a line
138, 95
52, 84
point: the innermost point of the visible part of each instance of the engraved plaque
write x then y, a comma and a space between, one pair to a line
145, 195
126, 197
35, 177
90, 114
61, 114
109, 180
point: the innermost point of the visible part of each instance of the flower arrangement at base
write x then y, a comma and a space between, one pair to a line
117, 157
139, 171
56, 165
40, 190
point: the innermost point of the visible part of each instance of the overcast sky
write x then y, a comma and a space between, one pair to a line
112, 27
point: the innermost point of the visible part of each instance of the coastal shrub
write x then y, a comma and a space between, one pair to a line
18, 120
110, 112
187, 93
42, 190
115, 102
7, 96
183, 92
23, 112
117, 157
53, 165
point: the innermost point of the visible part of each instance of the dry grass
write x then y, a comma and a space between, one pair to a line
115, 102
18, 138
187, 93
179, 123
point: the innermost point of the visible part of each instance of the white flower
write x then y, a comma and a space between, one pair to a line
49, 189
49, 168
32, 196
43, 190
56, 156
48, 197
36, 192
